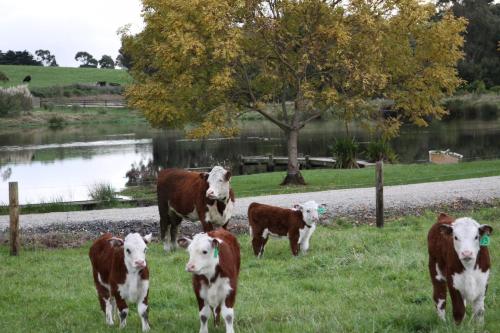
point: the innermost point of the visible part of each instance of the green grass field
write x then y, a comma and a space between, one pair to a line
60, 76
354, 279
330, 179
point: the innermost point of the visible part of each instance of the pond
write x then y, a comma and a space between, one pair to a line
62, 165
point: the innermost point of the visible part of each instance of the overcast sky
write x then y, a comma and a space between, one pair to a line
65, 27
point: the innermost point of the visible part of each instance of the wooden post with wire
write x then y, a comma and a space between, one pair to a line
379, 193
14, 218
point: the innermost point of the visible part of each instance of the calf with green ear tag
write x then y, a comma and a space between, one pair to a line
214, 261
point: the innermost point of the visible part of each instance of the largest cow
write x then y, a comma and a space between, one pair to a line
193, 196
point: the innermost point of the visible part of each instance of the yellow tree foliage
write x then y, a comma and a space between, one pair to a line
203, 62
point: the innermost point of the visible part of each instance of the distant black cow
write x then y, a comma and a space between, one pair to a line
27, 78
101, 83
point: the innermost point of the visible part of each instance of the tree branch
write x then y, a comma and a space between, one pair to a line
305, 121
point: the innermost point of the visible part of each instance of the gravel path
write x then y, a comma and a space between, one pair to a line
351, 203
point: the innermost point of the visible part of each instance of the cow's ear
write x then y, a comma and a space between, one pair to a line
444, 218
115, 242
297, 207
204, 175
485, 229
227, 176
446, 229
184, 242
216, 242
147, 238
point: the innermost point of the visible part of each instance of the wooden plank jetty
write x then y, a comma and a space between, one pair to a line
305, 162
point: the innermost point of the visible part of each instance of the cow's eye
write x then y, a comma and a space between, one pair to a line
456, 238
308, 210
476, 237
128, 251
205, 252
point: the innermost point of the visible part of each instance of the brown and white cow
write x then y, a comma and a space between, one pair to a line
121, 275
458, 262
214, 261
297, 224
193, 196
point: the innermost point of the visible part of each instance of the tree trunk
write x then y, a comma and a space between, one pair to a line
293, 176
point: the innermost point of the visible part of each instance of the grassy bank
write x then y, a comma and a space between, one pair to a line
330, 179
72, 116
354, 279
60, 76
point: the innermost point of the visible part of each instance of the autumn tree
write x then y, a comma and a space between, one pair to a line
292, 61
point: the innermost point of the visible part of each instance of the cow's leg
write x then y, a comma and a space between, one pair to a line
109, 311
123, 310
457, 303
294, 242
304, 244
258, 245
174, 227
478, 309
228, 315
164, 227
439, 288
142, 308
204, 315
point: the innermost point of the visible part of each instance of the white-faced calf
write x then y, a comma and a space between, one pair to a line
121, 275
459, 261
298, 224
214, 261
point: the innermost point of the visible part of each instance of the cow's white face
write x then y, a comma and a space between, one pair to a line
134, 248
203, 254
309, 211
218, 183
466, 234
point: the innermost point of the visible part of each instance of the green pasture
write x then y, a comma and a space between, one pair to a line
354, 279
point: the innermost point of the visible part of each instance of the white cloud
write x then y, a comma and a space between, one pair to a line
66, 26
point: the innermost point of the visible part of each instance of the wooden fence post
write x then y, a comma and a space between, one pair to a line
379, 192
270, 163
14, 218
241, 165
308, 162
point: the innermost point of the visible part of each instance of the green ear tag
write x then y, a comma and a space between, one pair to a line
216, 252
321, 210
485, 240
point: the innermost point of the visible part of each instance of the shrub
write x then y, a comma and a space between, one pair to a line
56, 122
3, 77
102, 192
477, 87
345, 151
75, 107
15, 99
49, 106
380, 150
495, 89
77, 89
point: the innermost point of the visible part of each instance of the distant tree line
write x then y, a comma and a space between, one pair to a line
88, 61
482, 40
43, 58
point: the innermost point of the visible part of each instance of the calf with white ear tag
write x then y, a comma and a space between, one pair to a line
214, 261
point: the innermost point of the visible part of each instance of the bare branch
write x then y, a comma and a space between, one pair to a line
305, 121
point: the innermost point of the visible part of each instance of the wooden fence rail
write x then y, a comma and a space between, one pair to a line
85, 103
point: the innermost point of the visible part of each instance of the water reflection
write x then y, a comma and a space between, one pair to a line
63, 164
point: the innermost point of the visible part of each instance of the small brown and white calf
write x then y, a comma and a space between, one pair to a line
459, 260
121, 275
214, 260
298, 224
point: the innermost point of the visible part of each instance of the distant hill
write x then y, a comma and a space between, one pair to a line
61, 76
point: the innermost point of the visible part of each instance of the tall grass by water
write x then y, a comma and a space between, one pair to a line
354, 279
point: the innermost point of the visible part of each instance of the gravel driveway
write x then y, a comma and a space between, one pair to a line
355, 203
